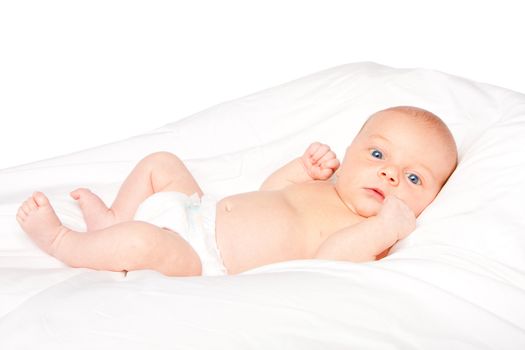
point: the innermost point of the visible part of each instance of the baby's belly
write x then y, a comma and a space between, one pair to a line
260, 228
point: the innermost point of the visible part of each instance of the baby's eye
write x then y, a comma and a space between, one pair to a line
414, 179
376, 154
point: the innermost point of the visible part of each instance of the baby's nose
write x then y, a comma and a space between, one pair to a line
390, 175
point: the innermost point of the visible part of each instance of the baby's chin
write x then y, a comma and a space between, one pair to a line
367, 211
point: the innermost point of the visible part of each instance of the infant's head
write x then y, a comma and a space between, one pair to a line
403, 151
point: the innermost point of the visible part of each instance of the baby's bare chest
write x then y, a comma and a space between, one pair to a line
262, 227
264, 218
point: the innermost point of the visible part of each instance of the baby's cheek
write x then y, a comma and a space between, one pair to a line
417, 208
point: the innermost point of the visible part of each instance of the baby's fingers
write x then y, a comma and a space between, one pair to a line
319, 153
332, 163
325, 174
327, 156
312, 149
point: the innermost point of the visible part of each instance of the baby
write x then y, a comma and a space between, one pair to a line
391, 172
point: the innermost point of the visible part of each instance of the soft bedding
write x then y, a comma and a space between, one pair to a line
458, 282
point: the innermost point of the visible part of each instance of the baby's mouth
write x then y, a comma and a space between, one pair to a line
376, 193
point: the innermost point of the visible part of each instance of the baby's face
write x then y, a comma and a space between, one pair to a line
394, 154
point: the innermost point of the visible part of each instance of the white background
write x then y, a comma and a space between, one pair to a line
78, 74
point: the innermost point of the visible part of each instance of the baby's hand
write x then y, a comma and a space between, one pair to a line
397, 217
319, 161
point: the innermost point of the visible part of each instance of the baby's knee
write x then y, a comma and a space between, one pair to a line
161, 158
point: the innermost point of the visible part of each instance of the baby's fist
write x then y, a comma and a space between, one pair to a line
319, 161
397, 217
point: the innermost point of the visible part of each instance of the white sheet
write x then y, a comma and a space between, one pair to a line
457, 282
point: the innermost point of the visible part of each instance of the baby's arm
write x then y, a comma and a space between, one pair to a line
317, 163
369, 238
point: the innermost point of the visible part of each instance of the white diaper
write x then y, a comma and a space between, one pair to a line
193, 218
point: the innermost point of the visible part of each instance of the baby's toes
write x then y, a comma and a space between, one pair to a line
20, 215
39, 199
26, 207
32, 203
79, 192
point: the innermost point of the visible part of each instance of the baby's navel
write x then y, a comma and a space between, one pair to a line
225, 205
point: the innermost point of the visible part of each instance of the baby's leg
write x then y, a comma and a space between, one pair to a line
126, 246
161, 171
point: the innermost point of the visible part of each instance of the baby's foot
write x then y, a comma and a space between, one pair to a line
96, 214
38, 219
